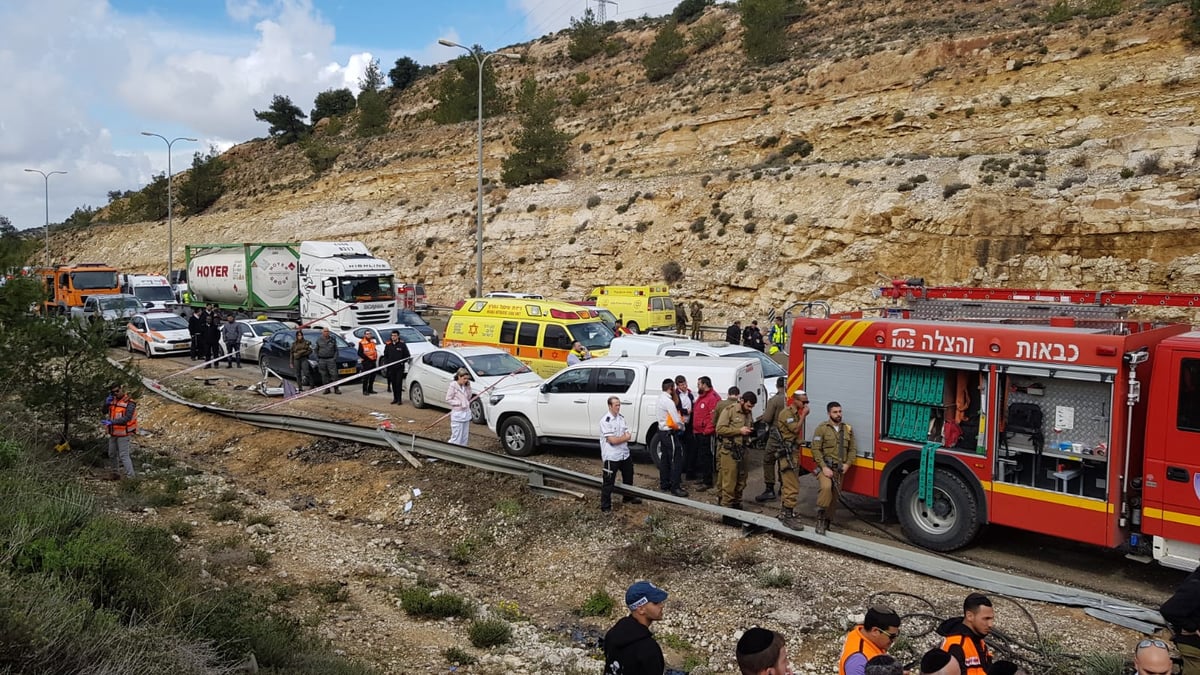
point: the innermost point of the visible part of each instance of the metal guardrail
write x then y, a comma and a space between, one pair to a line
966, 574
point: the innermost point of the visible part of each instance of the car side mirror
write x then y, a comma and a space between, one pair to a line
545, 388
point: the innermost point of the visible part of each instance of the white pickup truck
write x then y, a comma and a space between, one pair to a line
112, 310
567, 408
670, 344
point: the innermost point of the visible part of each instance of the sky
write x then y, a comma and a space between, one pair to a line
83, 78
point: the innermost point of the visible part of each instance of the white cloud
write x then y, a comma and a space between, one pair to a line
83, 80
545, 17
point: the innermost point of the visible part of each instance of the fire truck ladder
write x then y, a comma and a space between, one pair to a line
967, 303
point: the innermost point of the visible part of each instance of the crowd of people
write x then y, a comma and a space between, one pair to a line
961, 644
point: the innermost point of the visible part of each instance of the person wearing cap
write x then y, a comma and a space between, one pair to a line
873, 637
884, 664
789, 427
937, 662
762, 652
629, 646
964, 635
1152, 657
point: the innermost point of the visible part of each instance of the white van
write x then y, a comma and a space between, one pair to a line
653, 344
566, 409
152, 289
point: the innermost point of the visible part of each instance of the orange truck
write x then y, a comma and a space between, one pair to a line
69, 286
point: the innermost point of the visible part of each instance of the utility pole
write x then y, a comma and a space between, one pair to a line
599, 10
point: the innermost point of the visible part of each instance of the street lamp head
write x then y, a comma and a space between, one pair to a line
147, 133
508, 55
194, 140
447, 43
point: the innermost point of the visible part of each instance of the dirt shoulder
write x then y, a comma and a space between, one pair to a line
339, 542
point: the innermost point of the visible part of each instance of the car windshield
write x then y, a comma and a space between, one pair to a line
410, 318
769, 367
168, 322
154, 293
592, 334
366, 290
607, 317
408, 334
267, 328
119, 303
85, 281
496, 364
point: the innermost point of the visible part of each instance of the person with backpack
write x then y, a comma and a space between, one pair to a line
629, 646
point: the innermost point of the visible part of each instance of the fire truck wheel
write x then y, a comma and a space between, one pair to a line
517, 436
950, 523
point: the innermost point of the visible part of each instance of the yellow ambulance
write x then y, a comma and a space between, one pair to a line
642, 308
538, 332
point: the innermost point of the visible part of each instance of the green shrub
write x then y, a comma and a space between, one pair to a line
688, 11
458, 656
776, 578
643, 225
953, 188
419, 601
225, 511
599, 603
1150, 164
593, 201
706, 34
485, 633
749, 228
1060, 11
330, 591
799, 146
741, 265
1100, 9
697, 225
666, 54
1127, 172
181, 528
672, 272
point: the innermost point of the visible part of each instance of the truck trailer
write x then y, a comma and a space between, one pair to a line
1047, 411
317, 283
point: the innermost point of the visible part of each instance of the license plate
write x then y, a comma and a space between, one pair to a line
180, 346
347, 371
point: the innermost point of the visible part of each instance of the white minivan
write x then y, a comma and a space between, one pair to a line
653, 344
567, 408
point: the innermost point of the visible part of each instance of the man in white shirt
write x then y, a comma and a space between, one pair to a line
670, 428
614, 451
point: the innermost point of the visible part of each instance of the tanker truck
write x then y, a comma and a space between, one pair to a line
338, 284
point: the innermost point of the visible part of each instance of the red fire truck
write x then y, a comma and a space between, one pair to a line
1048, 411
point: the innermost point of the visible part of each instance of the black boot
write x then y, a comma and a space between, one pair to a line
822, 521
788, 518
768, 494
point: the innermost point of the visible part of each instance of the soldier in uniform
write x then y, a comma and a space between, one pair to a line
789, 430
734, 427
697, 317
833, 450
680, 319
771, 454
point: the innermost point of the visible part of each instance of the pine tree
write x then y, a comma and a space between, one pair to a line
286, 120
587, 37
404, 73
666, 54
766, 22
457, 93
541, 149
203, 186
330, 103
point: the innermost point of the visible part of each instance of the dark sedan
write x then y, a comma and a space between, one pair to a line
276, 354
411, 318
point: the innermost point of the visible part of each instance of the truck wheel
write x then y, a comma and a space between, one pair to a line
416, 395
517, 437
633, 326
477, 415
950, 522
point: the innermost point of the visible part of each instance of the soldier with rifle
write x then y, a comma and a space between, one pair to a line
787, 433
833, 450
735, 431
697, 317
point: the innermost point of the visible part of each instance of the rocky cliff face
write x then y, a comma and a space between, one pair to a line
966, 142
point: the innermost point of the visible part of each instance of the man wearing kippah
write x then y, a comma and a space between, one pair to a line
873, 637
762, 652
629, 646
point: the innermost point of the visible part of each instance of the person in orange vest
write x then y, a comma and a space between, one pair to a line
762, 652
873, 637
120, 419
368, 357
964, 635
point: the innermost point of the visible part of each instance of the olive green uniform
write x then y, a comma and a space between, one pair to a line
731, 455
832, 446
773, 452
789, 422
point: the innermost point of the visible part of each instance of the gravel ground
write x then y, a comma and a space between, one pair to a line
338, 513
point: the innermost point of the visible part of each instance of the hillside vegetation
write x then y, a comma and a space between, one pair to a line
1027, 143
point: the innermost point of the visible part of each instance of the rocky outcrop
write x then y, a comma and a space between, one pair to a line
975, 146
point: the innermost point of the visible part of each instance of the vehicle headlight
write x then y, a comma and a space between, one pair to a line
495, 398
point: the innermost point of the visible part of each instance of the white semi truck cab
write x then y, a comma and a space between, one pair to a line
344, 286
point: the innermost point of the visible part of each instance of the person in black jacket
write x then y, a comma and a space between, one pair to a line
1182, 612
210, 344
629, 646
396, 356
733, 334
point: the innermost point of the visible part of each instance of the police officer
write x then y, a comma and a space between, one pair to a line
789, 431
734, 427
833, 450
776, 403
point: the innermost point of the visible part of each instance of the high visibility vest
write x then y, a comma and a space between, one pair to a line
857, 644
778, 335
369, 350
974, 663
116, 410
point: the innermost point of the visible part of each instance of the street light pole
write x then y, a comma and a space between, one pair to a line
46, 180
170, 200
480, 59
